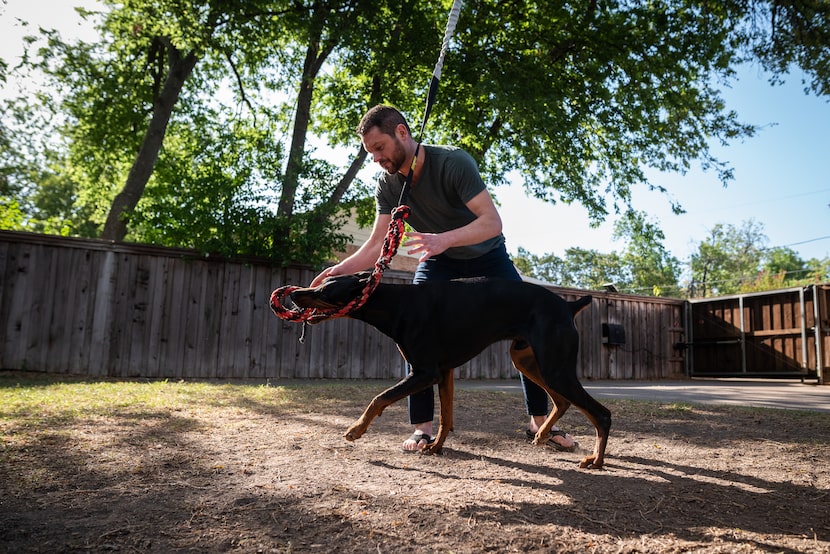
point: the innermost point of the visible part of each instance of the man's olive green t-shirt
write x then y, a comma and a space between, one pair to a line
449, 179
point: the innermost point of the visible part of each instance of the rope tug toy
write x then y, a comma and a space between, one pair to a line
395, 232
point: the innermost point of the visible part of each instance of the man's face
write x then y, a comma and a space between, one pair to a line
386, 150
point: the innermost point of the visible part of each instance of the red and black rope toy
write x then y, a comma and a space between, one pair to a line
394, 234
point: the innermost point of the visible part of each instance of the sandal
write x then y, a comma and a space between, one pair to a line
418, 437
554, 433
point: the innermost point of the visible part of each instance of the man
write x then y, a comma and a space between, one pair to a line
458, 235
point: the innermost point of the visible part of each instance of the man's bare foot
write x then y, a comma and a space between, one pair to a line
421, 437
560, 438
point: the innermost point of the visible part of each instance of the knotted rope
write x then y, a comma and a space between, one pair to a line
391, 242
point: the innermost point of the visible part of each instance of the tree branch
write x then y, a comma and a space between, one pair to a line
239, 83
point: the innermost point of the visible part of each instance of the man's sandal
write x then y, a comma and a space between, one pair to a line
552, 443
418, 437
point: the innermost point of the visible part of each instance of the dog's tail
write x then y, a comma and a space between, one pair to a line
577, 305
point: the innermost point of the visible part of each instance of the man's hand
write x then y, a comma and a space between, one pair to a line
328, 272
427, 244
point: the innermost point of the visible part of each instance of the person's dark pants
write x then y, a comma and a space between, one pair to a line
495, 263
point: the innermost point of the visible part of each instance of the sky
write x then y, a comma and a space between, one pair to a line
781, 179
781, 175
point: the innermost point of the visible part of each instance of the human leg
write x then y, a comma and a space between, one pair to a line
421, 405
536, 399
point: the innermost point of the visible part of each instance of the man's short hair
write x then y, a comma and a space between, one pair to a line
385, 118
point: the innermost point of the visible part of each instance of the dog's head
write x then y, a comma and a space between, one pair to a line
333, 292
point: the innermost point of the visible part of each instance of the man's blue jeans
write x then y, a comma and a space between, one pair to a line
495, 263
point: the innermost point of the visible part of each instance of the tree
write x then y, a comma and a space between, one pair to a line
579, 99
782, 259
580, 268
35, 187
163, 68
727, 258
734, 260
643, 267
547, 267
345, 31
166, 66
654, 271
782, 267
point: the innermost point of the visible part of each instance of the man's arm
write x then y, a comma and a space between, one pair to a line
365, 256
486, 225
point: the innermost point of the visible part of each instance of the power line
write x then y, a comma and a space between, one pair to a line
806, 241
731, 207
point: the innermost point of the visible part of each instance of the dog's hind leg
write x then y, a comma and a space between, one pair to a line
525, 361
446, 390
565, 390
597, 414
600, 417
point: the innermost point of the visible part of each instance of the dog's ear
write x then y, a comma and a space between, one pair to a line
349, 278
364, 276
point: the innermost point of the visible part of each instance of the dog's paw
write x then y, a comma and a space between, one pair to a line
591, 462
353, 433
432, 449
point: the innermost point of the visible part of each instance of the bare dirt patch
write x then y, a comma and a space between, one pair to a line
246, 468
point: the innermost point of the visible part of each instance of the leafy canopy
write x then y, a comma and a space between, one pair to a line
190, 124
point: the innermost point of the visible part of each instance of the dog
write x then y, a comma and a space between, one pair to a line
439, 325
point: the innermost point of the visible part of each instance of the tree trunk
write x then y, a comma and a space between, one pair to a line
315, 56
179, 69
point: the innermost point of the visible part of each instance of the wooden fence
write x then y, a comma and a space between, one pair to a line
102, 309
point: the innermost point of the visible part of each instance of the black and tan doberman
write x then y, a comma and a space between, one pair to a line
442, 324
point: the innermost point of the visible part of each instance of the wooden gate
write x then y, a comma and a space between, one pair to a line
783, 333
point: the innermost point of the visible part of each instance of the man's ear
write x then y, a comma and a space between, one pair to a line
402, 132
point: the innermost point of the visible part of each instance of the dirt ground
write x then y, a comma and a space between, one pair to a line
237, 472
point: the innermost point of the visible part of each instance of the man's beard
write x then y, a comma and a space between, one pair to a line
396, 161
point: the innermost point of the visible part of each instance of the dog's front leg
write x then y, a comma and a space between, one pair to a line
446, 390
374, 409
412, 383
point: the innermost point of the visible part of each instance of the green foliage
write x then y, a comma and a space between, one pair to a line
11, 216
728, 257
214, 182
733, 259
579, 268
654, 271
578, 99
643, 267
33, 172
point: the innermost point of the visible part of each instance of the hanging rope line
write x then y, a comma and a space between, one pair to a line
394, 233
452, 20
